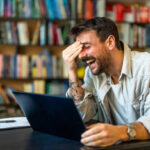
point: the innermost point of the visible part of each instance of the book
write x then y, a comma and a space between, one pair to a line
119, 11
80, 9
62, 9
5, 98
2, 8
13, 122
49, 8
42, 8
43, 34
13, 68
129, 15
33, 66
28, 87
19, 66
144, 14
88, 9
73, 5
27, 8
124, 30
23, 33
36, 33
100, 8
67, 8
46, 57
59, 36
39, 86
14, 8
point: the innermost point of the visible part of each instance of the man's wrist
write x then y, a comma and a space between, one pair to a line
73, 75
75, 84
123, 132
131, 132
76, 91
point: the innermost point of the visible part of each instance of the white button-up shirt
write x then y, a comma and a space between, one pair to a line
133, 93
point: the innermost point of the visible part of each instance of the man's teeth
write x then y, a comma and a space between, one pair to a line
89, 61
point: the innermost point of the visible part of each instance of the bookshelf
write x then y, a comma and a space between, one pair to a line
28, 29
32, 35
31, 28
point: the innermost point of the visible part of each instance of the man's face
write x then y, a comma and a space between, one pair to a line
94, 52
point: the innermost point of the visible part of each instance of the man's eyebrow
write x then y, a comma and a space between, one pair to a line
84, 43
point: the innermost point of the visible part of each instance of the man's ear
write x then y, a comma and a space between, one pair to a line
110, 42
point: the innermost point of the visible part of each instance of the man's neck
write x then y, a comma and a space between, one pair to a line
116, 65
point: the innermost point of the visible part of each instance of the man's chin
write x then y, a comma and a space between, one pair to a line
94, 72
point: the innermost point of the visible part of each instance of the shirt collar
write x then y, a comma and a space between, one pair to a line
126, 67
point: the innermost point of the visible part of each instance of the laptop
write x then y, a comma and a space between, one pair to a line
51, 114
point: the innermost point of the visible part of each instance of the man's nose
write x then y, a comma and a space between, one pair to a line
82, 54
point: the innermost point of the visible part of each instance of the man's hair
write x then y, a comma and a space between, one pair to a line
103, 27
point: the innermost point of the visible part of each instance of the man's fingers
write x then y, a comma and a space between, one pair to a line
76, 53
72, 51
72, 47
71, 56
91, 138
92, 125
100, 143
93, 130
97, 136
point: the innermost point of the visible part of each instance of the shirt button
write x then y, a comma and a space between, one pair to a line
108, 82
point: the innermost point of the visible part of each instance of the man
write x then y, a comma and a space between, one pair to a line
116, 84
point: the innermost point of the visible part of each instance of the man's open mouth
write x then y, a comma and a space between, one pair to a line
90, 61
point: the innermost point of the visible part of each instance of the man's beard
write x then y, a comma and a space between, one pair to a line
102, 66
102, 63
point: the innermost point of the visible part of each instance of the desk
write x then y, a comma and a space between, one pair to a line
27, 139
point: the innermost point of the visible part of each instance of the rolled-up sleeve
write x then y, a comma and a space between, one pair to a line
87, 107
145, 119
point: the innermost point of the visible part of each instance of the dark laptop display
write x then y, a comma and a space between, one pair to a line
51, 114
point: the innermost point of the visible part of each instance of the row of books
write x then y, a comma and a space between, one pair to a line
118, 12
54, 87
137, 36
59, 34
20, 33
53, 9
43, 65
64, 9
132, 13
91, 8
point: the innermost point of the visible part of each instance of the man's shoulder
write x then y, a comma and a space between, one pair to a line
141, 55
140, 63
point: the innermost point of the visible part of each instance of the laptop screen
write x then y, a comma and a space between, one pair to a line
51, 114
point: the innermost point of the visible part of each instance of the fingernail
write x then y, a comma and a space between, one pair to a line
81, 141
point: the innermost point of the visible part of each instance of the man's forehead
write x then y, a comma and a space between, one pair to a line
87, 36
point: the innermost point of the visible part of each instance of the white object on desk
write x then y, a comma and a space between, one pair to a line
13, 122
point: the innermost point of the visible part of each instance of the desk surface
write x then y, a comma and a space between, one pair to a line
27, 139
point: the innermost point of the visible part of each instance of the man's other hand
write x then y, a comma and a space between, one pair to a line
101, 134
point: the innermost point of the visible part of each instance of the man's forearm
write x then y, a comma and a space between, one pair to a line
76, 91
75, 86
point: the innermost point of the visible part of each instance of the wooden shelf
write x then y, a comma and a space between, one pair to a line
31, 79
18, 45
28, 19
